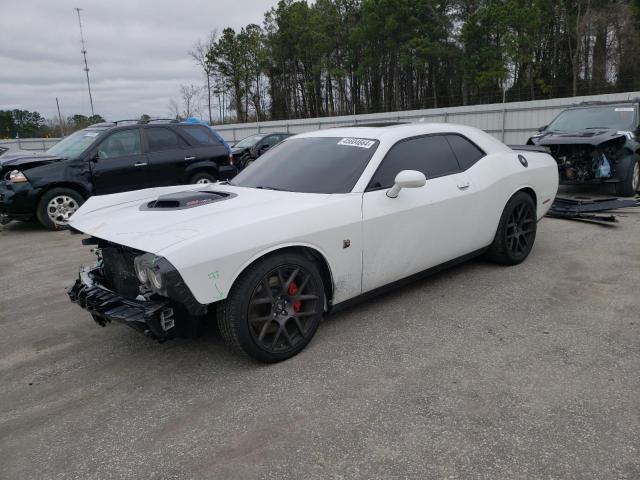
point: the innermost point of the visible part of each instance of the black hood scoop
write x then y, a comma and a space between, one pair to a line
185, 200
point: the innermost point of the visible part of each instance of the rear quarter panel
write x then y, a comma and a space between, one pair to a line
495, 179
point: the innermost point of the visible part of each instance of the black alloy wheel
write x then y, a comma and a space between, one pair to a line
282, 309
521, 229
516, 232
274, 308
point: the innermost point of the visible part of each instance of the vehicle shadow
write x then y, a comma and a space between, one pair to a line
22, 227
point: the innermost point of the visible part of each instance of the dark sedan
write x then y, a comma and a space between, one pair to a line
250, 148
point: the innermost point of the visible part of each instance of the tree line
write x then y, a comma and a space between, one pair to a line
339, 57
26, 124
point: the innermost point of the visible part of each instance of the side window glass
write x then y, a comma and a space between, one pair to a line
162, 139
430, 155
466, 152
202, 135
120, 144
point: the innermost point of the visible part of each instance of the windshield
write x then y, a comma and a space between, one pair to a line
615, 117
310, 165
74, 144
249, 141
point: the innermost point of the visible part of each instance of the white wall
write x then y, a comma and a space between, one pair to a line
37, 144
512, 123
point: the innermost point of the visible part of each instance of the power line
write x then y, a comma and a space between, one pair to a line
84, 54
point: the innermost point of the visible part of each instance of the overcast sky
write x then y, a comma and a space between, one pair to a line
137, 52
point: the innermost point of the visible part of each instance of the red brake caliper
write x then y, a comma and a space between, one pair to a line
293, 289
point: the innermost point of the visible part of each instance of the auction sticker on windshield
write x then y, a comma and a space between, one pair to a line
357, 142
91, 134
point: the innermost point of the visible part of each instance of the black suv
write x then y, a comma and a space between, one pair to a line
108, 158
250, 148
596, 142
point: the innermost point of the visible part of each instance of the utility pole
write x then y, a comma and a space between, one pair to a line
60, 118
84, 54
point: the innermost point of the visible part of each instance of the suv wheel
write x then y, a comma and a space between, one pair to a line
203, 178
274, 308
56, 207
630, 185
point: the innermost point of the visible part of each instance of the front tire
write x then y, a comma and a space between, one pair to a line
56, 207
516, 231
630, 185
274, 308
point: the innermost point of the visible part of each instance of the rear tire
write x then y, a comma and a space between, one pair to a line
56, 207
516, 231
203, 178
630, 185
274, 308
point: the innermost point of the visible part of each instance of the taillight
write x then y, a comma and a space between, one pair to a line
231, 159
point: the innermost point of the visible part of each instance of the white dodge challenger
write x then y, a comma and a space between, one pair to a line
321, 219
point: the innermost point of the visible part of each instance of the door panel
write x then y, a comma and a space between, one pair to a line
120, 165
421, 228
168, 156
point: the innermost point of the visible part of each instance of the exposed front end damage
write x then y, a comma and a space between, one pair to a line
589, 157
162, 307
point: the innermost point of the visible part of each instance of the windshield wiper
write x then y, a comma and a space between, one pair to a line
262, 187
595, 128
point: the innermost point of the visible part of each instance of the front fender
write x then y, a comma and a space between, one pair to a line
624, 165
275, 248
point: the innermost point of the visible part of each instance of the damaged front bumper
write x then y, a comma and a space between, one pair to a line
17, 201
152, 317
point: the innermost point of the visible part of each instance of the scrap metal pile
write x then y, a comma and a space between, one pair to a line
594, 210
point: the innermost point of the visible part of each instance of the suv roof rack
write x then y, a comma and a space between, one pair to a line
162, 120
118, 122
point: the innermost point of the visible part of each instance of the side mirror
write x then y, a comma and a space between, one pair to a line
543, 128
407, 179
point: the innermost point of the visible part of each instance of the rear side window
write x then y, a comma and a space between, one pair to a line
466, 152
163, 139
430, 155
201, 135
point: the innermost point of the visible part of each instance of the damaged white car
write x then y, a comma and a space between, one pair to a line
319, 220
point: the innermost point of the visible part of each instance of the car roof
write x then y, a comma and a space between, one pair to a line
386, 131
390, 134
597, 103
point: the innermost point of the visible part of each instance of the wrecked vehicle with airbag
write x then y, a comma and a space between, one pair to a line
595, 143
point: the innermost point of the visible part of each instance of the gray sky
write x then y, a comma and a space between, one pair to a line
137, 52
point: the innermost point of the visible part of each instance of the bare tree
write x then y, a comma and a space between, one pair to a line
191, 95
174, 108
200, 54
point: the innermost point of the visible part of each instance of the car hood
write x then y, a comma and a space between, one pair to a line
125, 218
23, 159
584, 137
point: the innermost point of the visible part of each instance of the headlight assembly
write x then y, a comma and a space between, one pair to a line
141, 272
149, 270
155, 278
16, 176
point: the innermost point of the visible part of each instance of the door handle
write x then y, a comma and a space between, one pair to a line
463, 185
140, 164
188, 159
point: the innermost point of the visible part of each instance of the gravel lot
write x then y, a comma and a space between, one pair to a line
479, 372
